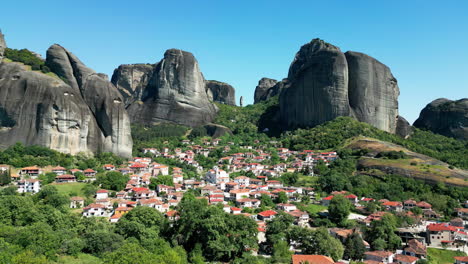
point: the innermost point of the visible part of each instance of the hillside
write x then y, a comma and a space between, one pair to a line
378, 160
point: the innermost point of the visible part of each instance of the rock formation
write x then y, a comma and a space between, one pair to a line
373, 91
175, 92
131, 80
445, 117
318, 90
221, 92
2, 45
324, 83
261, 91
79, 112
403, 127
241, 101
216, 131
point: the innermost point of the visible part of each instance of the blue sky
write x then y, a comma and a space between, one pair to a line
425, 43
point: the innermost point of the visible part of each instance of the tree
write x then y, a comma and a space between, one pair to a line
89, 190
50, 195
382, 233
161, 179
277, 228
339, 209
281, 252
80, 176
113, 180
5, 177
316, 242
130, 253
266, 200
101, 241
282, 198
354, 247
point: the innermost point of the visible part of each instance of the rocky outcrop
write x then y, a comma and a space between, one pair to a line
36, 109
403, 128
445, 117
216, 131
2, 46
221, 92
318, 90
174, 93
131, 80
102, 98
261, 91
373, 91
324, 83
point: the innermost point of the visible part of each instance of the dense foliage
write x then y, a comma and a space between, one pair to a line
27, 57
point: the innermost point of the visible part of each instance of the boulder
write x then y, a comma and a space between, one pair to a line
131, 80
101, 97
220, 92
3, 46
174, 93
215, 130
373, 91
318, 89
445, 117
261, 91
403, 127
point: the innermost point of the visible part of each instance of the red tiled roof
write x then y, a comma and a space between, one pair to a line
102, 191
311, 259
441, 227
267, 213
462, 259
405, 258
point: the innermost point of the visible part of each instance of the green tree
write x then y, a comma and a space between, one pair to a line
339, 209
112, 180
354, 247
281, 252
5, 177
384, 230
266, 200
282, 198
161, 179
130, 253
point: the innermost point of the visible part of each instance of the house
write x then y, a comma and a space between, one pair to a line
462, 213
4, 168
352, 198
242, 180
300, 218
216, 175
393, 206
440, 234
286, 207
90, 173
266, 215
248, 202
59, 170
160, 169
274, 184
76, 202
380, 256
239, 194
404, 259
32, 172
108, 167
416, 249
461, 260
29, 185
94, 210
311, 259
326, 201
65, 178
102, 194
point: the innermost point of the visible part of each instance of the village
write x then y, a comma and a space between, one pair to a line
221, 185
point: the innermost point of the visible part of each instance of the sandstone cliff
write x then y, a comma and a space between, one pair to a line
131, 80
221, 92
78, 111
261, 91
175, 92
324, 83
445, 117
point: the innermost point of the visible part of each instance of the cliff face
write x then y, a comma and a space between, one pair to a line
175, 92
220, 92
373, 91
261, 91
445, 117
79, 112
318, 90
132, 79
324, 83
2, 46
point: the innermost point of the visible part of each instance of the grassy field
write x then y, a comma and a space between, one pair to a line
313, 209
70, 188
80, 259
442, 256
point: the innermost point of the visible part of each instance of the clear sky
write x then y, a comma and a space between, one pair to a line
425, 43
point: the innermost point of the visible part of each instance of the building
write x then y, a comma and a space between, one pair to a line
404, 259
95, 210
32, 172
59, 170
311, 259
77, 202
29, 186
380, 256
266, 215
441, 234
65, 178
102, 194
461, 260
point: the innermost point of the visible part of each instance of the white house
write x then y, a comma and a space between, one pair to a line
94, 210
29, 185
